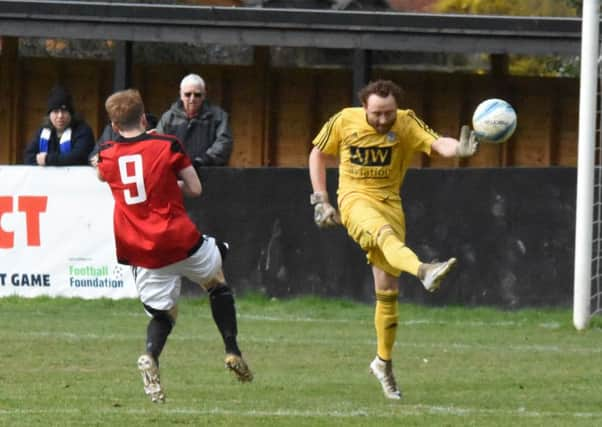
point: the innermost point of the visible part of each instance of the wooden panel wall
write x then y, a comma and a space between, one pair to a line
9, 84
87, 82
275, 113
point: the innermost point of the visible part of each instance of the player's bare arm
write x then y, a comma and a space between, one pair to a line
189, 182
317, 170
325, 215
465, 146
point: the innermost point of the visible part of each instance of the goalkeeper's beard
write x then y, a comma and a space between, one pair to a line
381, 128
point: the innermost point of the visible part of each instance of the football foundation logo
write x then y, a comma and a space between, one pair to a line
90, 276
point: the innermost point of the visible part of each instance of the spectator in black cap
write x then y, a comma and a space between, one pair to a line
64, 139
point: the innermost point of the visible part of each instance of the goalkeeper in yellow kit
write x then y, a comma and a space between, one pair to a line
375, 144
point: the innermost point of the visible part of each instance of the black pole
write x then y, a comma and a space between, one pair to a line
362, 67
122, 65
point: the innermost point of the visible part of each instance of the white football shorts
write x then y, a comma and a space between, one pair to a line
159, 288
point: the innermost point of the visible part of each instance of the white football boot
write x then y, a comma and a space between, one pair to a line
431, 274
150, 376
237, 365
383, 371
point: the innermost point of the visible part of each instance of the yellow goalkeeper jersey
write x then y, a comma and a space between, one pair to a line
371, 162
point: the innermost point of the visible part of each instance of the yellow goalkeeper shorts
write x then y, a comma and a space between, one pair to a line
364, 216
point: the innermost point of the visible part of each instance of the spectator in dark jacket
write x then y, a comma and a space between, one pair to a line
109, 134
202, 127
64, 139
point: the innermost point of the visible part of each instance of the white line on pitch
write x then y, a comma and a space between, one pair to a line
401, 410
369, 321
543, 348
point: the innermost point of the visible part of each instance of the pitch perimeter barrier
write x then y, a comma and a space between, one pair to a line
56, 235
512, 230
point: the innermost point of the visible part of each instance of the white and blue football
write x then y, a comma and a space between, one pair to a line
494, 121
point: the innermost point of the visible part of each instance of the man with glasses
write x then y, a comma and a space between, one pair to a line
201, 126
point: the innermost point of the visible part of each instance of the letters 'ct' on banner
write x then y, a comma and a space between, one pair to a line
56, 235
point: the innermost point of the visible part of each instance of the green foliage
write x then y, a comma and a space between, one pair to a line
552, 66
577, 4
69, 362
522, 65
508, 7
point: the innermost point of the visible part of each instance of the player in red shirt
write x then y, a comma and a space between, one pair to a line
147, 174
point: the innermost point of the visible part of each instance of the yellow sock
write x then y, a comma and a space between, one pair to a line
397, 253
386, 315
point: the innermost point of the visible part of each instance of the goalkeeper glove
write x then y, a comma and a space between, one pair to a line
468, 142
325, 215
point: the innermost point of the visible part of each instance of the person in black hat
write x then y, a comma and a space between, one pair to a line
64, 139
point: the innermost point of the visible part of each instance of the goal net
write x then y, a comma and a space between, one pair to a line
587, 298
596, 260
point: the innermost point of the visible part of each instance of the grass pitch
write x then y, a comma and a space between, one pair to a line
69, 362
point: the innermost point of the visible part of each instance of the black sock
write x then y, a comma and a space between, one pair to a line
224, 315
158, 330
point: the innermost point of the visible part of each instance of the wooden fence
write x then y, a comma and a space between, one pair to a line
275, 112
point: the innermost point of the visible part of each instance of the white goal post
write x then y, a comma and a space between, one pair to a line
586, 225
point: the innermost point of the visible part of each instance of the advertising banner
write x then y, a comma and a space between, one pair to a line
56, 235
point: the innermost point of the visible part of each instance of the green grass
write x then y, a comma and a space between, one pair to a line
69, 362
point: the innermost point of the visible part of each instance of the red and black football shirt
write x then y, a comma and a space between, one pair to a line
152, 228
